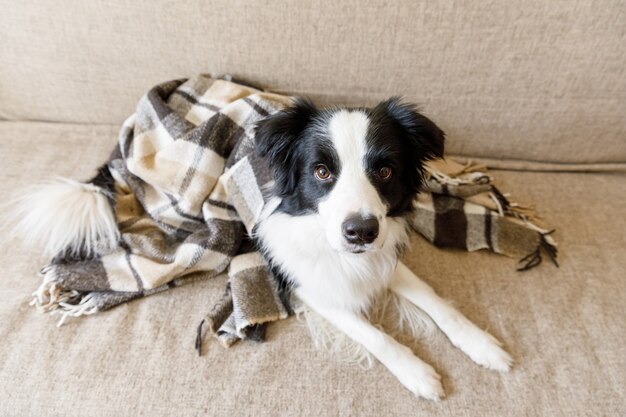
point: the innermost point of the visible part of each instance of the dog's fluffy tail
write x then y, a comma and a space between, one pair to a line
64, 216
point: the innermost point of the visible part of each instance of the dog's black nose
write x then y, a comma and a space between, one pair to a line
359, 231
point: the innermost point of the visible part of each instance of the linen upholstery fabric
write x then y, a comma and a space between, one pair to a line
534, 80
564, 327
519, 84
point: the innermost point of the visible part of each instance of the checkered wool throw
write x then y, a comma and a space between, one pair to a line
187, 188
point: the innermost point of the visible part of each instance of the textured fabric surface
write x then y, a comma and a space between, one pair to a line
461, 207
525, 165
185, 183
535, 80
564, 327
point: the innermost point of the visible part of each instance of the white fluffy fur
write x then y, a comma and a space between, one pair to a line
64, 215
327, 276
341, 286
394, 314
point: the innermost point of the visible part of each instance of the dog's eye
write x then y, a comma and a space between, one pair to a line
385, 173
322, 173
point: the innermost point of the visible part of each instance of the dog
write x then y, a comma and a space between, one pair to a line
337, 223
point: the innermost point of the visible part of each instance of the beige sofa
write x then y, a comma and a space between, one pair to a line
536, 89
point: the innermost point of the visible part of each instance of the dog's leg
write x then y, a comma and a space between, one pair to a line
479, 345
415, 374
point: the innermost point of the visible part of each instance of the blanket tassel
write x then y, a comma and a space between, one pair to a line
50, 295
534, 258
501, 200
53, 298
198, 345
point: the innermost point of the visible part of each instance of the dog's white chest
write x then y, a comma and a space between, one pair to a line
323, 275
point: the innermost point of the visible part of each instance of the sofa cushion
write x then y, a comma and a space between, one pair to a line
564, 327
537, 80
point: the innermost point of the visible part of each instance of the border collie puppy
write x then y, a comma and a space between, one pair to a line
337, 223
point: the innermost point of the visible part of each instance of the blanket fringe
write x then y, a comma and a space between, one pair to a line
198, 344
85, 307
51, 297
500, 200
474, 174
470, 175
534, 258
50, 293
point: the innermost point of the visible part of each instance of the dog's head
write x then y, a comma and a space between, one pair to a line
353, 167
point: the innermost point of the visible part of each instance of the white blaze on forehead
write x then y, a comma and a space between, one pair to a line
348, 130
353, 193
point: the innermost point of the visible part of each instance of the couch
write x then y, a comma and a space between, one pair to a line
536, 90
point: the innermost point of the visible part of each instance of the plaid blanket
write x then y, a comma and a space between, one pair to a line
187, 189
463, 209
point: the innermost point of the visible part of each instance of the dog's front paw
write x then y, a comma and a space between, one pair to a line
420, 378
491, 355
484, 349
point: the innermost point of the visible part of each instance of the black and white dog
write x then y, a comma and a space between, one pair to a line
345, 182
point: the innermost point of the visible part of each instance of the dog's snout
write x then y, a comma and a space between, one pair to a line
360, 230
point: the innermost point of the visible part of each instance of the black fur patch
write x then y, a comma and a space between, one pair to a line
293, 141
403, 139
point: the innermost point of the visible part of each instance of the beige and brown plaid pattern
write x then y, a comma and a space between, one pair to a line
185, 184
462, 208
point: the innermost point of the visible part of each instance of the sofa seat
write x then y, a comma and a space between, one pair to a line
565, 327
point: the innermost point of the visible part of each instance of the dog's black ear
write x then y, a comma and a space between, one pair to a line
275, 140
428, 137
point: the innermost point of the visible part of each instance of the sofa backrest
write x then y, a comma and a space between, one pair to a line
535, 80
